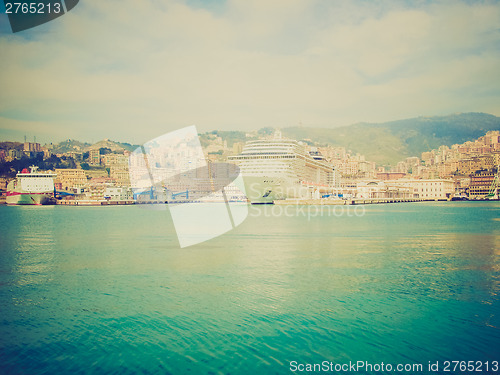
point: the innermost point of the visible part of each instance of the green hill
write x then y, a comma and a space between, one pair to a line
384, 143
77, 146
69, 145
112, 145
11, 146
390, 142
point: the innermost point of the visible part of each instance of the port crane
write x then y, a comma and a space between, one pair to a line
185, 193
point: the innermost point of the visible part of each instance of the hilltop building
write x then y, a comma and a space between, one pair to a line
95, 157
32, 147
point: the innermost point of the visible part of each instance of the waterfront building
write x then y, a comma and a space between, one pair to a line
430, 188
95, 188
349, 187
70, 178
480, 183
369, 189
118, 193
95, 192
372, 189
406, 188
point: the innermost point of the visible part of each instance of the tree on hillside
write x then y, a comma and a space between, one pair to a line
68, 162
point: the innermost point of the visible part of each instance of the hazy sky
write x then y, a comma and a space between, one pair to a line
131, 70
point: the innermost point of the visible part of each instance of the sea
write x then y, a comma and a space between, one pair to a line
108, 290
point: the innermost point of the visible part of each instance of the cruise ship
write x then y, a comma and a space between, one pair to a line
31, 188
281, 168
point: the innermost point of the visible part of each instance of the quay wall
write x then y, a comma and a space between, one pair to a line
349, 202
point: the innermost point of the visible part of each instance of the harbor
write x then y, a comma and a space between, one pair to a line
271, 170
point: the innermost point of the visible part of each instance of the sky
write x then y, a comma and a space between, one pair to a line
132, 70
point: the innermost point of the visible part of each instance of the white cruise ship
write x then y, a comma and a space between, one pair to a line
31, 187
282, 168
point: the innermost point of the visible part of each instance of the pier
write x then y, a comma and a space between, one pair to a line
73, 202
349, 202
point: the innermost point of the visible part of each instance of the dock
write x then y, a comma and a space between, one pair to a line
349, 202
87, 203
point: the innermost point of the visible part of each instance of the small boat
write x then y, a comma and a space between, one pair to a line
460, 197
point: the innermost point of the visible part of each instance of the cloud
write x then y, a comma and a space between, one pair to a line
115, 69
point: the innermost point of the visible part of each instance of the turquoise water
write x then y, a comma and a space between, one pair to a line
108, 290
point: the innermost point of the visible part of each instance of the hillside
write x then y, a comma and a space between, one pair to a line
112, 145
385, 143
11, 146
231, 137
77, 146
69, 145
390, 142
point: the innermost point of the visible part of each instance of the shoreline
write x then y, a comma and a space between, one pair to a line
297, 202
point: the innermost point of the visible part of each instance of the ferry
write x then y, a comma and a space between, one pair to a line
278, 168
31, 188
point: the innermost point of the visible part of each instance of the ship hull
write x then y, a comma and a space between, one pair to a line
38, 199
265, 190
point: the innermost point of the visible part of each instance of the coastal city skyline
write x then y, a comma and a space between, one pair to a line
236, 64
103, 171
216, 144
